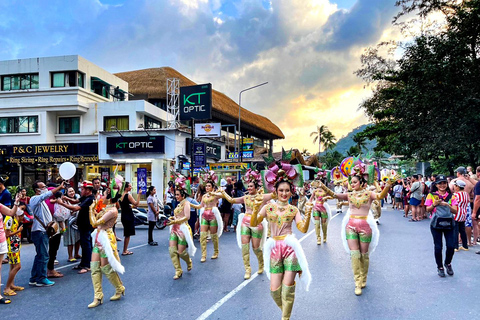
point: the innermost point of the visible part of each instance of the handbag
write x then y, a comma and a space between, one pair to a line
442, 218
51, 228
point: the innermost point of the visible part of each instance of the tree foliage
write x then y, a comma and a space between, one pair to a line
426, 104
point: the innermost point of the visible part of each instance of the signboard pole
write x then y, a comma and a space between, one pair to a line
192, 123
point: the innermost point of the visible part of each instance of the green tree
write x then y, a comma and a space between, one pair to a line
353, 151
329, 140
426, 104
360, 141
331, 159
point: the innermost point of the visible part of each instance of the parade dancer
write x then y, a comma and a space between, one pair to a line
210, 219
359, 231
105, 259
283, 254
321, 212
180, 231
246, 232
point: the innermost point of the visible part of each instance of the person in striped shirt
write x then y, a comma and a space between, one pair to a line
463, 204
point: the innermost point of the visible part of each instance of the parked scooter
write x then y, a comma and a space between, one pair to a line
165, 213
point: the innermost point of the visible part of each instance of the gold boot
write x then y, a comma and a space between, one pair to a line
215, 245
96, 274
277, 296
186, 257
317, 232
357, 270
259, 253
324, 229
365, 264
288, 297
176, 262
114, 279
246, 260
203, 245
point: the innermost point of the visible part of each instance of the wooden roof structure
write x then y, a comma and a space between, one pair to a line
152, 83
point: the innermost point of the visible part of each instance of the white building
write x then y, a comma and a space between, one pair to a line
59, 109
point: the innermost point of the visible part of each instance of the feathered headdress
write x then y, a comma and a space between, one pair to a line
252, 176
208, 175
281, 171
182, 183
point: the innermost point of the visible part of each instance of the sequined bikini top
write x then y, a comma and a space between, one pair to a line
207, 198
179, 209
359, 198
273, 210
250, 201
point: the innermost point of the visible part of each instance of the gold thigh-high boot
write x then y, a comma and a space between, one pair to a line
259, 253
203, 245
97, 284
186, 257
215, 245
277, 296
324, 229
357, 270
317, 231
288, 296
365, 264
114, 279
176, 262
246, 260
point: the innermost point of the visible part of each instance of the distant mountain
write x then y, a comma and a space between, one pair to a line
346, 142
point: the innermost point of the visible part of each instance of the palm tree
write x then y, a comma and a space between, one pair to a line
332, 159
319, 135
361, 141
353, 151
329, 140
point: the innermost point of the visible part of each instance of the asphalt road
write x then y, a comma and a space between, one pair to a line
402, 283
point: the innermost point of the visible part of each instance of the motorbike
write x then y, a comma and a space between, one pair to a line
165, 213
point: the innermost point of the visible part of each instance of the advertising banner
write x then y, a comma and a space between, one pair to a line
207, 130
139, 144
142, 180
246, 155
199, 155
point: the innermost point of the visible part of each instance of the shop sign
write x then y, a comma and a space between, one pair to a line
105, 174
50, 153
247, 144
142, 144
199, 156
196, 102
235, 155
186, 166
212, 151
207, 130
142, 180
228, 166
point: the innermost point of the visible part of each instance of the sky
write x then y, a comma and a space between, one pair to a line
307, 50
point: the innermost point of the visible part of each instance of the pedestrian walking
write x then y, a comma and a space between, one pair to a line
152, 213
127, 218
442, 224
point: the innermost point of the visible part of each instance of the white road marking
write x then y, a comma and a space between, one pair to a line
76, 263
242, 285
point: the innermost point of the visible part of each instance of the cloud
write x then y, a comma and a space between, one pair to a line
306, 49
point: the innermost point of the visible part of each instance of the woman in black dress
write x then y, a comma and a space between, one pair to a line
126, 203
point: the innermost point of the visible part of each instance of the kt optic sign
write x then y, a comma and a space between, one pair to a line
196, 102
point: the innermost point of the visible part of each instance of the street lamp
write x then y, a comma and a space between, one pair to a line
240, 142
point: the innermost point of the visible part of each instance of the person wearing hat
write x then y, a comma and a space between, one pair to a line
440, 202
83, 224
461, 173
42, 217
463, 203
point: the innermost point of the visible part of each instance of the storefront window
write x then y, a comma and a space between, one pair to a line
121, 123
103, 171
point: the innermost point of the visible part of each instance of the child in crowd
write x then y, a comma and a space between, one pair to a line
61, 214
13, 232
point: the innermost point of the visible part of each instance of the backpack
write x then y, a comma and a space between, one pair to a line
442, 218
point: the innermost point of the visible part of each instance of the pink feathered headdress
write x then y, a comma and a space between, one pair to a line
252, 176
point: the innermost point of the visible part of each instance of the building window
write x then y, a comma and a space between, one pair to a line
100, 87
67, 79
68, 125
20, 82
121, 123
26, 124
150, 123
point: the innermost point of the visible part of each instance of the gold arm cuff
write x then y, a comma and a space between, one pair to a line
227, 197
384, 192
327, 190
195, 206
303, 225
181, 220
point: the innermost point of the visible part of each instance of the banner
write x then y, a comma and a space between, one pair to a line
142, 180
199, 156
105, 174
207, 130
196, 102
